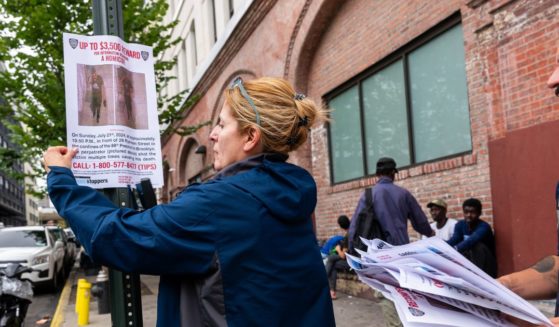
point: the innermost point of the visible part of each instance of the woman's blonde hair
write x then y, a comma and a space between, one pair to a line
285, 116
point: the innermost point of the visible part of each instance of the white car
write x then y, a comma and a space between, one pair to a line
33, 246
73, 244
69, 248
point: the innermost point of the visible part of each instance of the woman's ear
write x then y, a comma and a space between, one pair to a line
252, 143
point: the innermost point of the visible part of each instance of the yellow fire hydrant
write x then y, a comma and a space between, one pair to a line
82, 302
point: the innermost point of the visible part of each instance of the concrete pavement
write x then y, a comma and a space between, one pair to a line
67, 302
356, 312
349, 311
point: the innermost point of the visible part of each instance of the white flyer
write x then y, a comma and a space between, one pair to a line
111, 111
417, 308
444, 287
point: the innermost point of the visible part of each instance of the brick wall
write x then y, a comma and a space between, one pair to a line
510, 52
318, 45
355, 50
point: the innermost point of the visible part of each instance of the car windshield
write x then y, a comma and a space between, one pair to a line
22, 238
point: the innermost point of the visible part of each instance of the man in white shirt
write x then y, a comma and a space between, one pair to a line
443, 226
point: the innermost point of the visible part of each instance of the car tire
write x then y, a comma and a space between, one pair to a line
64, 271
55, 282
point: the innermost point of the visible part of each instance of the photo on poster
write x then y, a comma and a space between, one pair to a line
111, 95
131, 108
94, 102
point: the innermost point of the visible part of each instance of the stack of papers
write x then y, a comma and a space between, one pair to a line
431, 284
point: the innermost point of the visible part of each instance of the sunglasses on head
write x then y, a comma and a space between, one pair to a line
238, 82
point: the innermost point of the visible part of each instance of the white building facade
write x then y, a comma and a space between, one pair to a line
203, 26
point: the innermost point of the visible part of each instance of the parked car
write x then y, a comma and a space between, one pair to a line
35, 247
72, 237
69, 247
73, 247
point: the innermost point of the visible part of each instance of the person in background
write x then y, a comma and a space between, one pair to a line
237, 250
474, 239
442, 225
329, 246
97, 94
336, 262
394, 206
126, 91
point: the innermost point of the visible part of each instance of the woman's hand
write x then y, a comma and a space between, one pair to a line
59, 156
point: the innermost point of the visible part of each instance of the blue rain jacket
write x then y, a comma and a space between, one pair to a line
238, 250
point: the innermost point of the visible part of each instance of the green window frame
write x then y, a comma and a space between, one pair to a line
412, 106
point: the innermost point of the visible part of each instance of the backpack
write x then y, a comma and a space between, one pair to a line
366, 226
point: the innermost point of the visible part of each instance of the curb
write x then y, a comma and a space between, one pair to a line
58, 317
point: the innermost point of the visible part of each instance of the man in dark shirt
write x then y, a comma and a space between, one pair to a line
394, 205
474, 238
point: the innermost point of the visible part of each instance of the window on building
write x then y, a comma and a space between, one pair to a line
231, 8
413, 106
193, 43
213, 24
346, 148
182, 69
175, 83
192, 53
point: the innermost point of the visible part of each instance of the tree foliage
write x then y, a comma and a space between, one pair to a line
32, 87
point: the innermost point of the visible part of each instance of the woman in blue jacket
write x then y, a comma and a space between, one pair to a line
237, 250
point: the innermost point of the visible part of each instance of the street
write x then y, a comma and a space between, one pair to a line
43, 306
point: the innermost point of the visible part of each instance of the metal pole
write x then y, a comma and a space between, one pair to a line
107, 18
125, 288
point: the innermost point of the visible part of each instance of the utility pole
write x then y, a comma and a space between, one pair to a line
125, 289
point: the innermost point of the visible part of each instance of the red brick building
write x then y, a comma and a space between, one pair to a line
454, 90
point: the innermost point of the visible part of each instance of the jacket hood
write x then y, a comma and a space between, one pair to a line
288, 191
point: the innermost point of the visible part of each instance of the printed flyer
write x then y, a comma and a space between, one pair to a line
111, 111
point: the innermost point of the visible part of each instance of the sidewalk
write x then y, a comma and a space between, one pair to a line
67, 302
349, 311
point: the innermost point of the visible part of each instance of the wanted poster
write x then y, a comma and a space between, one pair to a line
111, 111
